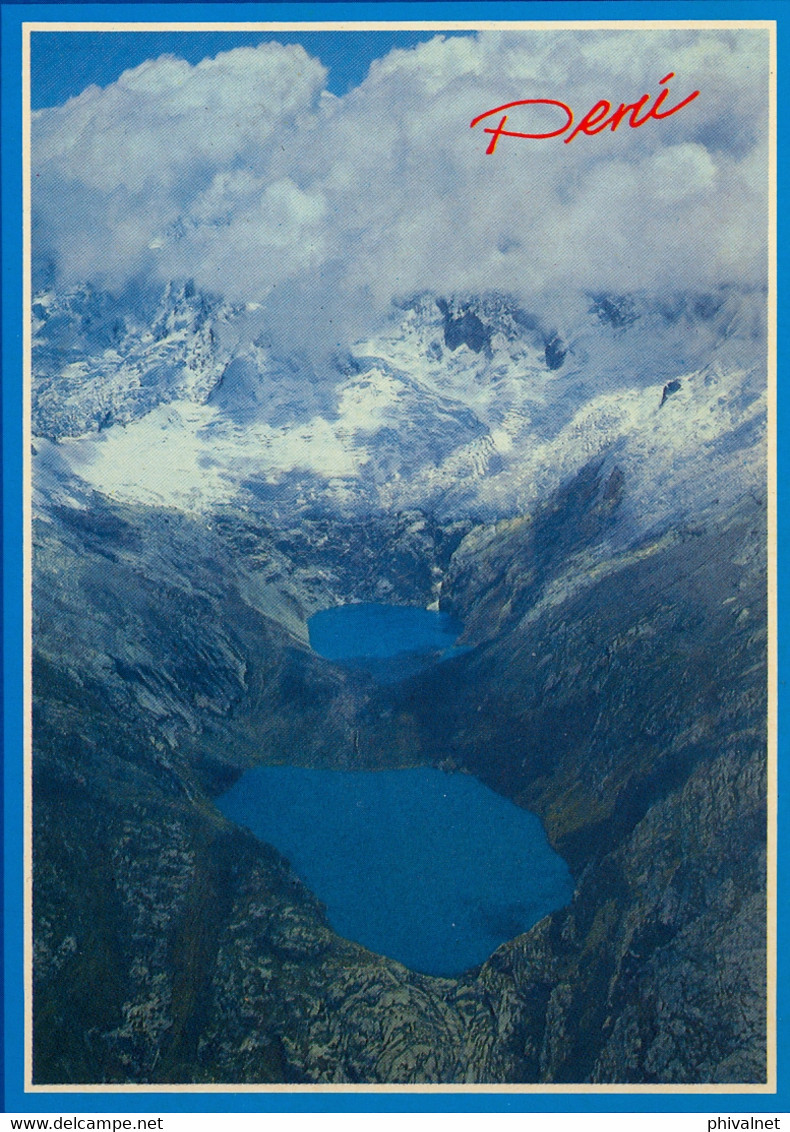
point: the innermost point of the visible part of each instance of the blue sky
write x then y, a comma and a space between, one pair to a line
64, 63
230, 164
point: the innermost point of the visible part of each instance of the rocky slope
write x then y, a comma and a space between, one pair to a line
614, 609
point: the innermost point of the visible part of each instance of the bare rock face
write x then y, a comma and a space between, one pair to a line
648, 770
172, 946
613, 681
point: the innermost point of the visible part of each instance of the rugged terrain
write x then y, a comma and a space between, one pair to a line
592, 507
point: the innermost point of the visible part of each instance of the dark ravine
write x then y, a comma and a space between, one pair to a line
625, 704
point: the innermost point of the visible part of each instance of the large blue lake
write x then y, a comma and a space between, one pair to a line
432, 869
389, 641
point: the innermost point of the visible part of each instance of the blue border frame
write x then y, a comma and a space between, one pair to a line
12, 1064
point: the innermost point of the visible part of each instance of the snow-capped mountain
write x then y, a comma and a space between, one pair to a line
466, 406
201, 497
334, 353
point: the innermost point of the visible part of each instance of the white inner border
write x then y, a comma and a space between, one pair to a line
408, 25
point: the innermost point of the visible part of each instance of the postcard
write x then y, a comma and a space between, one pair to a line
392, 447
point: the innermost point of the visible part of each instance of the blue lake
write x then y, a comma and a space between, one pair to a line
389, 641
432, 869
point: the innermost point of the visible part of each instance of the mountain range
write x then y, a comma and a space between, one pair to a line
586, 490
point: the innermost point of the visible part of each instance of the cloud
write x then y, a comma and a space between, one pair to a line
242, 173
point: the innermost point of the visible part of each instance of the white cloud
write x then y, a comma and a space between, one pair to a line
682, 171
238, 173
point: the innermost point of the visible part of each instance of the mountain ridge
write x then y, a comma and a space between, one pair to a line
612, 588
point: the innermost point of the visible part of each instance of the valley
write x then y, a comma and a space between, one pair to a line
380, 489
618, 693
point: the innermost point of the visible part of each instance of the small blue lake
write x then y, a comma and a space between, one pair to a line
432, 869
389, 641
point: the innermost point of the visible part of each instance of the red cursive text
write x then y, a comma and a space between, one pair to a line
598, 118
